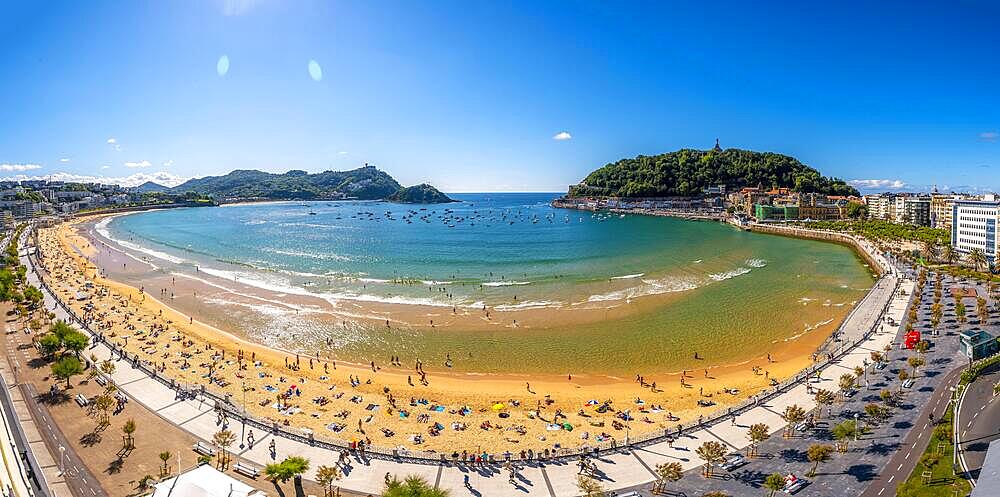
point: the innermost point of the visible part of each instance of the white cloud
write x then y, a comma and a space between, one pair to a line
114, 144
105, 166
64, 159
989, 136
112, 140
562, 135
141, 164
874, 184
19, 167
222, 66
162, 177
341, 153
168, 163
315, 71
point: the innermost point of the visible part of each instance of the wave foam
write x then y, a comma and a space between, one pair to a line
629, 276
506, 283
740, 271
102, 229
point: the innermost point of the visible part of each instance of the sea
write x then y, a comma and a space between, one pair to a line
600, 292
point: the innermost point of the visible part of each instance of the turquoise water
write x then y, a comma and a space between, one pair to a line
511, 252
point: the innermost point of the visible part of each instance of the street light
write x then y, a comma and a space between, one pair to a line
62, 460
856, 430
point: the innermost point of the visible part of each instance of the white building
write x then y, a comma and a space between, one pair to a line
881, 206
974, 225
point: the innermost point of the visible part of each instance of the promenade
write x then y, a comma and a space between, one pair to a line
865, 330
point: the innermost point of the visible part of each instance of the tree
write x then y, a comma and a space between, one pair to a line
982, 311
589, 487
712, 453
412, 486
824, 398
774, 482
667, 473
978, 258
290, 467
128, 429
915, 362
847, 382
816, 454
66, 368
75, 342
757, 433
101, 409
224, 439
874, 412
903, 376
793, 415
32, 296
49, 345
326, 476
857, 210
843, 432
950, 254
165, 456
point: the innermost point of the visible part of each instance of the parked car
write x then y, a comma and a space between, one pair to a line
794, 484
734, 461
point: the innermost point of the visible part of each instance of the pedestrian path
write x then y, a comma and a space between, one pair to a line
617, 469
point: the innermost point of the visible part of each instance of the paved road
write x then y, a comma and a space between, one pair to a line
898, 469
979, 420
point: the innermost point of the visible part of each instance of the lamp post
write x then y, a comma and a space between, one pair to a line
856, 430
62, 460
243, 422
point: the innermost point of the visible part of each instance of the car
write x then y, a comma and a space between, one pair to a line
734, 461
849, 393
793, 484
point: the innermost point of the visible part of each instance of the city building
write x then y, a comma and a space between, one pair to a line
911, 209
881, 206
776, 212
974, 226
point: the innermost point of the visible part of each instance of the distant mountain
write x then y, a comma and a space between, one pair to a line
420, 194
150, 187
365, 183
687, 172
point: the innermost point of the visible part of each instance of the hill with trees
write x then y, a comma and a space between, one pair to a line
687, 172
420, 194
365, 183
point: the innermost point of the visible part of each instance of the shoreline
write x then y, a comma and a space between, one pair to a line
456, 389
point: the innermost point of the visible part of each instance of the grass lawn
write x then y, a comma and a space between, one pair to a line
942, 482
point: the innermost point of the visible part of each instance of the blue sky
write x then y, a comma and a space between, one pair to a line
470, 95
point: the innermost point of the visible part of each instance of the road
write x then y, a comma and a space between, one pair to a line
898, 469
979, 420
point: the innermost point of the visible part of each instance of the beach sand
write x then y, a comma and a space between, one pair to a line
187, 349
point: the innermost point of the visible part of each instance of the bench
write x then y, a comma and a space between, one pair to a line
102, 381
246, 470
908, 383
82, 400
204, 449
121, 398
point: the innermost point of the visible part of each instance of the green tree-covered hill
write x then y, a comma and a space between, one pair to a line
688, 171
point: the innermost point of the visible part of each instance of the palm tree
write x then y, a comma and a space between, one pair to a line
292, 466
326, 476
165, 456
128, 429
929, 251
667, 473
982, 310
224, 439
949, 254
816, 454
712, 453
757, 433
977, 257
774, 482
412, 486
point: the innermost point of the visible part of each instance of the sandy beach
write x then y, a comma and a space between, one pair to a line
391, 405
